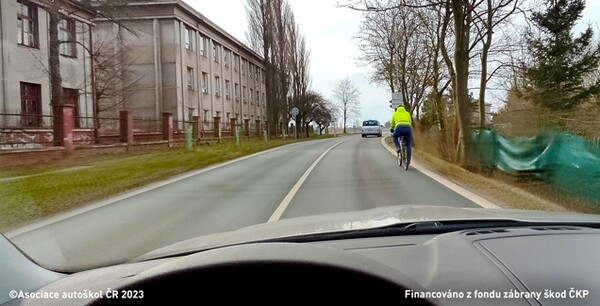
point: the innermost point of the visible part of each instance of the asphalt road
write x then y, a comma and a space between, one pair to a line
308, 178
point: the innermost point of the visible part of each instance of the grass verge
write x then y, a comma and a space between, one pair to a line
46, 192
503, 189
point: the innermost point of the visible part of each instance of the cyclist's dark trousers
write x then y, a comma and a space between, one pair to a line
406, 132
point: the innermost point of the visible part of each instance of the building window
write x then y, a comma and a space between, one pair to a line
31, 105
202, 45
71, 97
244, 90
251, 70
251, 100
67, 37
244, 66
204, 82
190, 78
257, 97
236, 62
227, 89
227, 57
217, 86
188, 38
205, 119
257, 73
27, 24
263, 99
216, 48
236, 91
191, 114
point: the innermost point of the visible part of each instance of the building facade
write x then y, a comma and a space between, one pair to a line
178, 61
24, 78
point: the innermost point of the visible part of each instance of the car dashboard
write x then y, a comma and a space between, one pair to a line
521, 265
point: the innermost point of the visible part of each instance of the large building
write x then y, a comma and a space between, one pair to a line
180, 62
160, 57
24, 77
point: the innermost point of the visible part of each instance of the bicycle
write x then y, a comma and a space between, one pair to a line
402, 154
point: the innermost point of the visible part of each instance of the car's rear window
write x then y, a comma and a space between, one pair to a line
371, 123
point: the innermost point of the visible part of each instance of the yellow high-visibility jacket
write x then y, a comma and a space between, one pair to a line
399, 117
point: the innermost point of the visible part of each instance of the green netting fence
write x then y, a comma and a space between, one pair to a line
569, 162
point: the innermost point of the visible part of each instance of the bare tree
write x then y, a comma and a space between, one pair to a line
487, 19
322, 115
395, 42
455, 46
299, 61
314, 108
379, 43
61, 9
346, 97
115, 80
273, 33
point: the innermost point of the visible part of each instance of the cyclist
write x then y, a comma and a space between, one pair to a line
401, 126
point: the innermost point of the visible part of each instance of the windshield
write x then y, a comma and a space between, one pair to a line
370, 123
152, 124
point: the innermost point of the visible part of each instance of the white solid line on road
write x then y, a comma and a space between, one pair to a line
473, 197
129, 194
288, 198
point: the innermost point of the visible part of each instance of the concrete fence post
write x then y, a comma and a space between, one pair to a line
217, 127
233, 122
126, 127
167, 126
247, 127
63, 125
196, 128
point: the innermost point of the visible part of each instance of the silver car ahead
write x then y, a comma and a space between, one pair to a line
371, 127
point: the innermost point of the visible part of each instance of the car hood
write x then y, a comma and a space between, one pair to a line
361, 220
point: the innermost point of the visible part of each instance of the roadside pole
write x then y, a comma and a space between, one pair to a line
237, 136
294, 112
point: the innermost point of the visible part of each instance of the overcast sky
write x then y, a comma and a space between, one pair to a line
329, 31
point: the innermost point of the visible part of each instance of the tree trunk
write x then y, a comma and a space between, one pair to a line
484, 61
482, 85
307, 127
345, 117
461, 92
54, 60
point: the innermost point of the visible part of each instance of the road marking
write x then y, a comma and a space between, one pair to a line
129, 194
473, 197
288, 198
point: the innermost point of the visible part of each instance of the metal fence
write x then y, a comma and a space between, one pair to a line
25, 131
35, 131
83, 122
16, 120
107, 126
147, 125
208, 129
